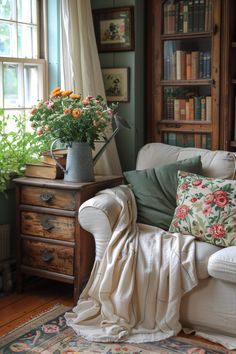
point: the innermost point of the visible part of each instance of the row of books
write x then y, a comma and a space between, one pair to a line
47, 167
193, 108
188, 139
184, 16
183, 65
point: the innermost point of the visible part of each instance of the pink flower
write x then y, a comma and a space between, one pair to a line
197, 182
50, 105
50, 328
209, 198
181, 212
193, 200
89, 97
217, 230
110, 113
207, 210
85, 101
221, 198
184, 185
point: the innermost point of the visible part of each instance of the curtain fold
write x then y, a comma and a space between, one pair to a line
80, 67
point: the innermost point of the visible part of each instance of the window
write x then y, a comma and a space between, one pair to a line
22, 68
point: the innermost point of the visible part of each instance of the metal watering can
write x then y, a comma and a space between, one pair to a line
80, 162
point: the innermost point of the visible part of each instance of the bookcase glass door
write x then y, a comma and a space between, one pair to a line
187, 80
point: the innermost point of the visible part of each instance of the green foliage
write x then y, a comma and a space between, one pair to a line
17, 147
70, 118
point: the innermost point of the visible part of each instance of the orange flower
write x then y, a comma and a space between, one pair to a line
73, 96
33, 110
56, 94
56, 89
66, 93
76, 113
67, 110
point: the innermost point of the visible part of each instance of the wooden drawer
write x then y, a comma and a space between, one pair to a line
48, 256
47, 225
48, 197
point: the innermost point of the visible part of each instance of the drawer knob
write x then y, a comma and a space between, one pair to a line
46, 197
47, 226
47, 256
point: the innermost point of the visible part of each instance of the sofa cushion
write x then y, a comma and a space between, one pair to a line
155, 190
203, 251
206, 208
222, 264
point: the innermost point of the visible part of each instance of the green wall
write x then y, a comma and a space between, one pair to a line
129, 141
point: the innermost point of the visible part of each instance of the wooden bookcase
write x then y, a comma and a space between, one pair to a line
228, 76
183, 60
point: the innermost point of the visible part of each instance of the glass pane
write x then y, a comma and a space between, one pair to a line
7, 9
7, 39
31, 80
201, 140
12, 86
27, 41
187, 59
26, 11
190, 103
187, 16
9, 118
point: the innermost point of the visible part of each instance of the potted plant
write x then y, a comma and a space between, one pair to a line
17, 146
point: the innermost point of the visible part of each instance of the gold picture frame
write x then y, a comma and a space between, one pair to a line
114, 29
116, 84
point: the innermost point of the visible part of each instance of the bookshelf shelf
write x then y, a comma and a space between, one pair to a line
184, 61
186, 82
182, 36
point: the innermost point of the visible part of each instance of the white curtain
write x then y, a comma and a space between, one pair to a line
80, 67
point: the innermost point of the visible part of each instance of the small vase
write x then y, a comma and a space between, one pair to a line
79, 163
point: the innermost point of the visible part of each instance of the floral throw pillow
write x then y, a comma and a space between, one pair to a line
206, 209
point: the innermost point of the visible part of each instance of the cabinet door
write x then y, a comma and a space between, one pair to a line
185, 64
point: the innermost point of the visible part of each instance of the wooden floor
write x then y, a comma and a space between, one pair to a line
38, 296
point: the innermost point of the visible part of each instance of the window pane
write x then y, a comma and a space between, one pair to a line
7, 39
7, 9
12, 85
31, 80
27, 41
26, 11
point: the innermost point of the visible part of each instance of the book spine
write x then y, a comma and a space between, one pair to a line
208, 108
185, 16
187, 108
190, 16
208, 65
183, 65
177, 17
173, 66
208, 141
178, 64
203, 141
180, 139
195, 65
165, 13
188, 66
182, 108
197, 141
190, 140
201, 65
195, 15
181, 16
201, 22
171, 18
203, 108
176, 109
167, 68
197, 108
172, 138
191, 108
206, 15
165, 138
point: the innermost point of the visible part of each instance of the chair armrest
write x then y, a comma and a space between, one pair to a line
98, 216
222, 264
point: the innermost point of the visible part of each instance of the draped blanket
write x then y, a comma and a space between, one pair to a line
134, 292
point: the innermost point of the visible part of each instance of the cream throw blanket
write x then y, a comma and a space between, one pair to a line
134, 293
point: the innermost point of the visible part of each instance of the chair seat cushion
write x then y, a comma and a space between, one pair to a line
222, 264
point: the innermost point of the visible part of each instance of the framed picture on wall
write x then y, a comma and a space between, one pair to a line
114, 29
116, 84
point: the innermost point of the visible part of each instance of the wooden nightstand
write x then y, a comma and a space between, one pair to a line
50, 241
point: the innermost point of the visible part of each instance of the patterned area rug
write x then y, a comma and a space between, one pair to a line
48, 334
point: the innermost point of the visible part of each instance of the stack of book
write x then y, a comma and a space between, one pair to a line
47, 167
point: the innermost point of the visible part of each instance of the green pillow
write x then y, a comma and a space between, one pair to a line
155, 190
